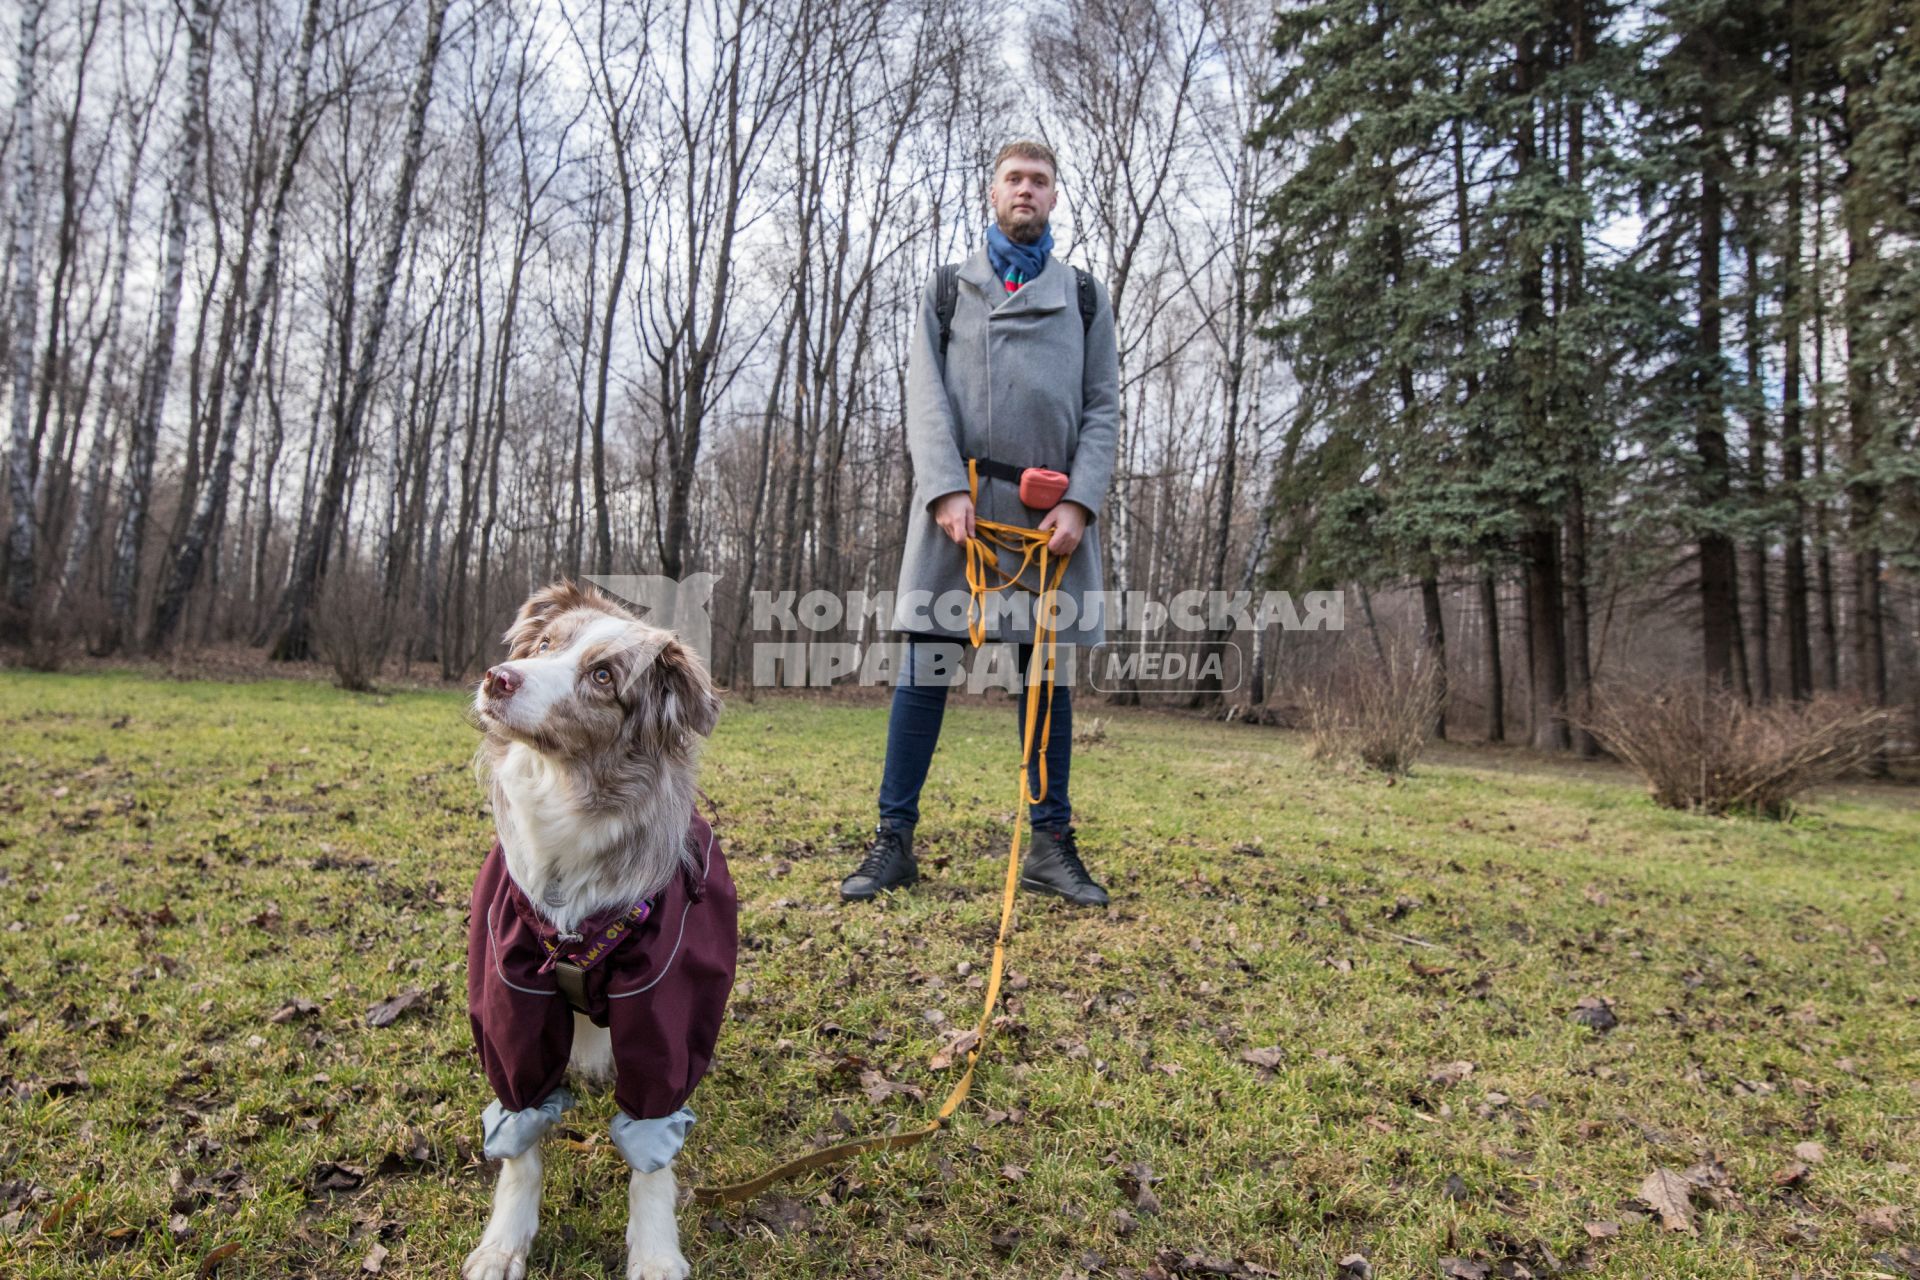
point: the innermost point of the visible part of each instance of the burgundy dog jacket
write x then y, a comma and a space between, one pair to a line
658, 979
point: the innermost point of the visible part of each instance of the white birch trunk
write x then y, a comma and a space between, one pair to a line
20, 535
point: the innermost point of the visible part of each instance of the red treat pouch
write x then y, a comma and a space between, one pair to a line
1042, 489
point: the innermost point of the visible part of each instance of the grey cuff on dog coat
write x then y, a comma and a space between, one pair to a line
651, 1145
510, 1133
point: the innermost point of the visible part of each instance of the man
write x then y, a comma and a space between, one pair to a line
1024, 373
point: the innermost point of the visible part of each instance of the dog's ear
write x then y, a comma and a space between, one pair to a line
687, 700
546, 604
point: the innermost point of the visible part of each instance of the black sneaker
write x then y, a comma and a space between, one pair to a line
888, 865
1053, 866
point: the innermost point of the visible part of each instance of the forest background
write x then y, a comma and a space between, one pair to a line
1575, 340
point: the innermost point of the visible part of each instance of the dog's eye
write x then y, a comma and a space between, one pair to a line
543, 646
602, 676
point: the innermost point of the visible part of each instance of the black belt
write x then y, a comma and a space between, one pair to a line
998, 470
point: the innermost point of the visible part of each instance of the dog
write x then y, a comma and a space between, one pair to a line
604, 930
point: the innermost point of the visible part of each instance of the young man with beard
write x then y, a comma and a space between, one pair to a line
1014, 362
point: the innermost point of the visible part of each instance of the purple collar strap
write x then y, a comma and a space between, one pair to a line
594, 941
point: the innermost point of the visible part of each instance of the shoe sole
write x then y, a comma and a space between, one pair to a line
869, 897
1041, 887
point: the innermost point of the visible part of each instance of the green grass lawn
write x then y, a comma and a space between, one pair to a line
1248, 1066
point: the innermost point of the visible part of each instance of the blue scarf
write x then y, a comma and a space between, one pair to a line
1017, 263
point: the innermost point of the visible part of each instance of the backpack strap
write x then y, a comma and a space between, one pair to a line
946, 296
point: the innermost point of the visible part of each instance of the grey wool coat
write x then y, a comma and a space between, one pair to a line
1020, 384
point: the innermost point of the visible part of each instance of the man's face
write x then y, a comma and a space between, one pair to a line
1023, 195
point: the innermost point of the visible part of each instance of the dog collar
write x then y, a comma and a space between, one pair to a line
595, 942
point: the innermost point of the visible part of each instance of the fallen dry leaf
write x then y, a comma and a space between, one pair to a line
1596, 1012
211, 1263
417, 1156
1883, 1220
1603, 1230
298, 1007
958, 1047
1136, 1183
1464, 1269
375, 1259
387, 1012
1811, 1152
1792, 1175
329, 1176
1712, 1184
1267, 1059
780, 1214
1666, 1193
878, 1088
1450, 1073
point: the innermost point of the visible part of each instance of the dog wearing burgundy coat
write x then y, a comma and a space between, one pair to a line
603, 934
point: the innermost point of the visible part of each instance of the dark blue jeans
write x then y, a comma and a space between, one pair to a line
913, 730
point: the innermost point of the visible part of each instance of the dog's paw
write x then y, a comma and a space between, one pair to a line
658, 1266
487, 1263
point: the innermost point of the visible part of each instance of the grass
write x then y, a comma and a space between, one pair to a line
180, 861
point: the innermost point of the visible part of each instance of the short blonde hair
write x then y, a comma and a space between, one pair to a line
1026, 149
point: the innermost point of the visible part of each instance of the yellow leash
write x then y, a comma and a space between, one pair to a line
990, 536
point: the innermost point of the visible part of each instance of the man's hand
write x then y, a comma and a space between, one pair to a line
954, 513
1068, 521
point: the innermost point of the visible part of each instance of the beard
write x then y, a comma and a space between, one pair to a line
1022, 228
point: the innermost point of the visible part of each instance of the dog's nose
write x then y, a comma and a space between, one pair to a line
501, 681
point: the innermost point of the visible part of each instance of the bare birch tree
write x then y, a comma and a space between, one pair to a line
158, 369
17, 624
295, 641
88, 506
727, 77
212, 500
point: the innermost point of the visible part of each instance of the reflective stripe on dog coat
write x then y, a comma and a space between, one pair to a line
660, 987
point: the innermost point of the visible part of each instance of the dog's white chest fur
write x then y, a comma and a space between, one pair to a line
573, 858
555, 846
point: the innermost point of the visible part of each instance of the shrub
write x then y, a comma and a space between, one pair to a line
1707, 750
1379, 708
61, 635
350, 627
